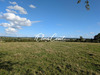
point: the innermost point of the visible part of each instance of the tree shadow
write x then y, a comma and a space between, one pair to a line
7, 65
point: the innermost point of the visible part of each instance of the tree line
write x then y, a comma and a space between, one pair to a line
96, 39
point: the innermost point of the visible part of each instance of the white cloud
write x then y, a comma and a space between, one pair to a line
12, 2
17, 27
11, 11
32, 6
5, 25
35, 21
18, 8
91, 32
11, 30
15, 22
1, 14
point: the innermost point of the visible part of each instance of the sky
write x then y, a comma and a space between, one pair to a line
29, 18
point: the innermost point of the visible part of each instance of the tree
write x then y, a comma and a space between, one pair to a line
87, 4
81, 39
97, 38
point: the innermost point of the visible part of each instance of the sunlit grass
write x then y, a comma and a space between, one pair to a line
49, 58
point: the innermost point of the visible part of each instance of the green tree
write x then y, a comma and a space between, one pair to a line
81, 39
97, 38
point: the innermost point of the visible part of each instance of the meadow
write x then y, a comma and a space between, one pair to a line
49, 58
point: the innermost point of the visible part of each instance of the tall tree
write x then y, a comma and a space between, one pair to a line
97, 37
81, 39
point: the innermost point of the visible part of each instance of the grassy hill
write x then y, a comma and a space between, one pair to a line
49, 58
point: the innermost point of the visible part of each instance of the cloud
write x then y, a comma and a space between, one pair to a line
5, 25
11, 30
91, 32
16, 19
11, 11
1, 14
12, 2
32, 6
15, 22
18, 8
36, 21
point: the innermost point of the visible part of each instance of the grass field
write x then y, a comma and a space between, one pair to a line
49, 58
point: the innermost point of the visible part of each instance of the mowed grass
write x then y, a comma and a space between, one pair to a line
49, 58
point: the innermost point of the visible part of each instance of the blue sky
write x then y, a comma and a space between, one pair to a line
63, 17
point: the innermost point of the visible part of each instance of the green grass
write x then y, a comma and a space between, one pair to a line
49, 58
